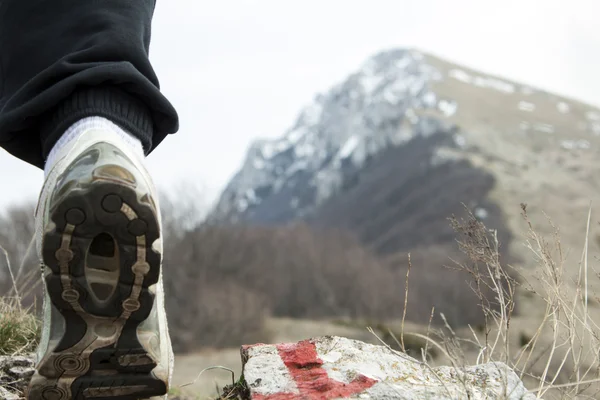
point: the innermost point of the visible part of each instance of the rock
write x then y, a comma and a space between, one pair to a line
15, 372
5, 394
336, 367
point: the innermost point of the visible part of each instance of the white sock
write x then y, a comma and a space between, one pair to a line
78, 128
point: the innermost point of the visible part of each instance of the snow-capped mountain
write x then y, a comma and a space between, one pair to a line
406, 120
372, 110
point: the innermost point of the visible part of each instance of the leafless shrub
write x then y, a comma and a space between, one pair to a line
216, 315
433, 284
287, 271
491, 281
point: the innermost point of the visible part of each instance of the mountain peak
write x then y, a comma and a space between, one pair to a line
395, 96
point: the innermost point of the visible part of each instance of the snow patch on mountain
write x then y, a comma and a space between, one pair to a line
563, 107
593, 115
526, 106
447, 107
575, 144
484, 82
349, 146
546, 128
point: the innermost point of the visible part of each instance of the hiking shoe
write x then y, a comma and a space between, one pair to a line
99, 238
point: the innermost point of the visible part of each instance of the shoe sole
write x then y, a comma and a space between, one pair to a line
100, 356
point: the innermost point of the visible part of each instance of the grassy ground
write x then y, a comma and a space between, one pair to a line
555, 352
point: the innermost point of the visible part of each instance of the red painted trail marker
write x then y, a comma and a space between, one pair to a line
311, 378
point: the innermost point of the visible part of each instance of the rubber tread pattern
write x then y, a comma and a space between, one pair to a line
84, 208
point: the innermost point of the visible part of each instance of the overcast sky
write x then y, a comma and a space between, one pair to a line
241, 69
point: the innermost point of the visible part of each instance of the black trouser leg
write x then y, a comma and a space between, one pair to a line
62, 60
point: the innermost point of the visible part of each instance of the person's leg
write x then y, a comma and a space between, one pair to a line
62, 60
78, 96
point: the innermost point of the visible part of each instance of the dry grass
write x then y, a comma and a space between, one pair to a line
560, 360
19, 328
567, 365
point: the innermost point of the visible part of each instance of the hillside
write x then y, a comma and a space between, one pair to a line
396, 147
